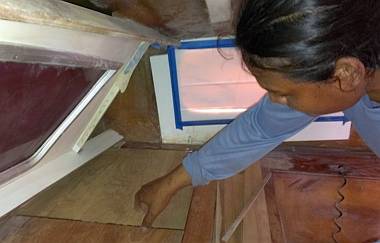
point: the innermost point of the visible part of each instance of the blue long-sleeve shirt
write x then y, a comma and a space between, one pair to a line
262, 128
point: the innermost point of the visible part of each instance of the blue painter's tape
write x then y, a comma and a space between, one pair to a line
228, 121
332, 119
207, 123
175, 89
206, 44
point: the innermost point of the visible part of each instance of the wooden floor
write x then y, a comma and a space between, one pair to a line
95, 203
19, 229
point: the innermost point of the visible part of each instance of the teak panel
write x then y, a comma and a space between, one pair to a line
103, 190
19, 229
306, 206
322, 161
360, 221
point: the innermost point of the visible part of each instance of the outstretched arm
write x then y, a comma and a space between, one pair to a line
252, 135
246, 140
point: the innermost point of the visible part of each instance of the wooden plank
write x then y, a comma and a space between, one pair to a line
253, 201
20, 229
200, 221
238, 192
275, 225
256, 224
103, 190
65, 15
232, 202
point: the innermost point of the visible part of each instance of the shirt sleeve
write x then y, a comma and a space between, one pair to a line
247, 139
365, 117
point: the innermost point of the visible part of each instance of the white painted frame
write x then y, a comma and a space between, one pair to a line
76, 43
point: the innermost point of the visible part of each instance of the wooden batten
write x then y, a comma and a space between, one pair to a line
68, 16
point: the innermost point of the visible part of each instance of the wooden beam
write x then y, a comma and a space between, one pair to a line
65, 15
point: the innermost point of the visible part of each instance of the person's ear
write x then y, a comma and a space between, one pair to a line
349, 74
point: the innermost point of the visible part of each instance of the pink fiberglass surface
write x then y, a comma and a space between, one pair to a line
214, 85
34, 100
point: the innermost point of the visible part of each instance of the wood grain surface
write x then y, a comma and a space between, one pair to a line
134, 113
306, 206
103, 190
360, 221
19, 229
323, 161
235, 194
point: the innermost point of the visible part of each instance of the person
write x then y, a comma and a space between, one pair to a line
313, 57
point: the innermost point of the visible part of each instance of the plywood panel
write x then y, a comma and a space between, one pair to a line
103, 190
20, 229
134, 113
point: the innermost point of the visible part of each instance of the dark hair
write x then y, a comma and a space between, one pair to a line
305, 38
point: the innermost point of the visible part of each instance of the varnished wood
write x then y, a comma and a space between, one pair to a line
306, 206
200, 222
236, 192
324, 161
232, 202
246, 213
276, 228
256, 227
360, 221
19, 229
321, 208
103, 190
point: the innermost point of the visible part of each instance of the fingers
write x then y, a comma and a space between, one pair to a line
139, 204
148, 219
